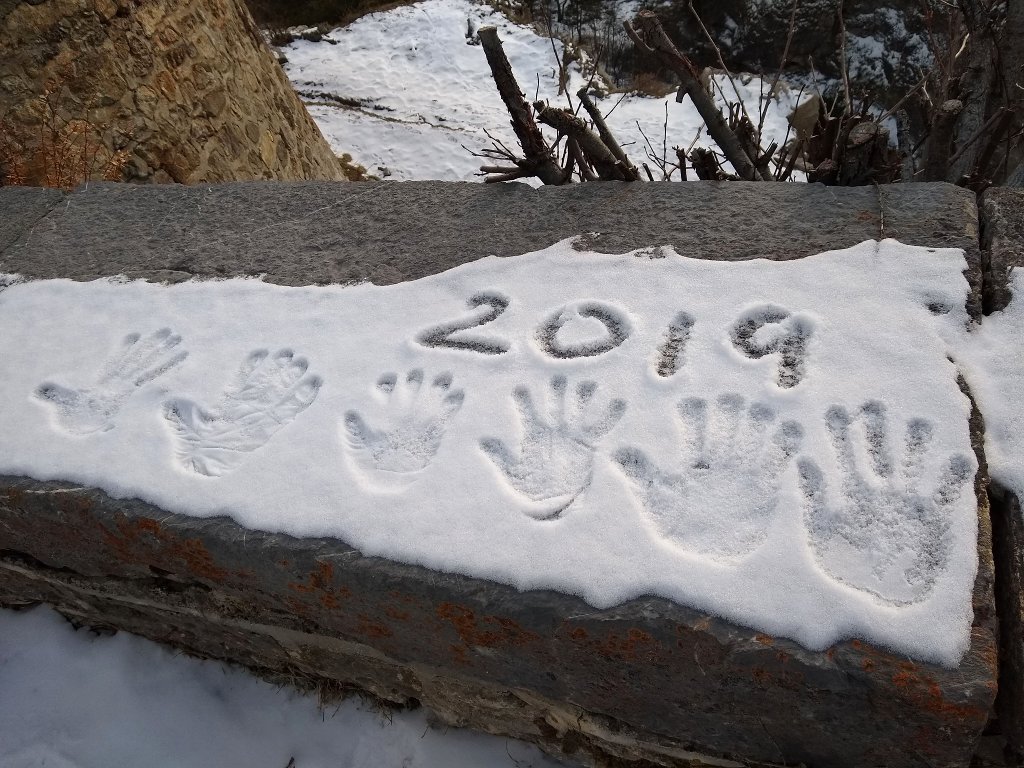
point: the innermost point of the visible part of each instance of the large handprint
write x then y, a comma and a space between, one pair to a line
415, 425
882, 535
266, 395
555, 460
720, 502
94, 409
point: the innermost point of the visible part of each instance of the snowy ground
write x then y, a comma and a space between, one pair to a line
74, 700
423, 93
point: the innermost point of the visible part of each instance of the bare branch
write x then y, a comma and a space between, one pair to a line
778, 73
844, 66
721, 61
581, 162
718, 129
519, 173
606, 135
499, 169
639, 42
902, 100
786, 172
998, 116
563, 76
681, 157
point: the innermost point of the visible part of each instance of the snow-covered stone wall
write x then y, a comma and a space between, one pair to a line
692, 473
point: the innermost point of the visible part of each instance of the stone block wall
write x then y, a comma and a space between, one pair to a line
148, 90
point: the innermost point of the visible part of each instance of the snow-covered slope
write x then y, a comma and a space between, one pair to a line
418, 95
74, 700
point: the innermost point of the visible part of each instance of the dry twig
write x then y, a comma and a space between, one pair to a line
656, 42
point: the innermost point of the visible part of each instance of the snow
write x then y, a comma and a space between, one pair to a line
74, 700
782, 444
994, 368
879, 58
425, 94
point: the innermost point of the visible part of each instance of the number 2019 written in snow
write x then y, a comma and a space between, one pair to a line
764, 330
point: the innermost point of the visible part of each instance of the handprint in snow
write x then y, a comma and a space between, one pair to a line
721, 500
882, 535
412, 432
555, 460
94, 409
266, 395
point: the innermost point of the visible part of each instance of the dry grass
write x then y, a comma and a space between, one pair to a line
353, 171
61, 151
651, 85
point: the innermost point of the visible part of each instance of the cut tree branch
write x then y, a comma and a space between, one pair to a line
600, 157
632, 174
539, 161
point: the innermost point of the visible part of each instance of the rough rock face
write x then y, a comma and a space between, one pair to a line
1002, 241
149, 91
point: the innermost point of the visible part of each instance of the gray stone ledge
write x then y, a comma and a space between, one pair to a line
304, 233
21, 208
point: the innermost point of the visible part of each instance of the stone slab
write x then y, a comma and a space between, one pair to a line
1002, 241
647, 680
316, 233
21, 208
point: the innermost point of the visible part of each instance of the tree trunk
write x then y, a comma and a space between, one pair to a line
597, 154
201, 100
940, 141
535, 148
1012, 52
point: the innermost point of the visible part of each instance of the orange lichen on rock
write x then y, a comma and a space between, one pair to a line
486, 631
